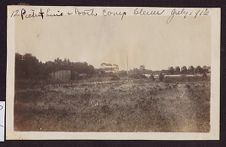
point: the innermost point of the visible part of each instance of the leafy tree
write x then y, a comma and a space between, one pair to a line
205, 69
198, 69
191, 70
171, 70
184, 70
161, 77
177, 70
29, 67
19, 73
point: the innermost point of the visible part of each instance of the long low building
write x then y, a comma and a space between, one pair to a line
183, 75
109, 68
61, 75
186, 77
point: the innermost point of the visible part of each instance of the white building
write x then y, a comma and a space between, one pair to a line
109, 68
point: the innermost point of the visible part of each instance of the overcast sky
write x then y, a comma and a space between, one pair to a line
147, 40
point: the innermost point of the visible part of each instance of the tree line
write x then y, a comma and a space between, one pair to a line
28, 66
189, 70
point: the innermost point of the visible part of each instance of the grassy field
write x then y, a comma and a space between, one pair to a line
134, 105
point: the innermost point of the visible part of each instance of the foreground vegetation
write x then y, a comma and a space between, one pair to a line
122, 105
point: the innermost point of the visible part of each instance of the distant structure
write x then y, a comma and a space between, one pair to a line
61, 75
142, 67
109, 68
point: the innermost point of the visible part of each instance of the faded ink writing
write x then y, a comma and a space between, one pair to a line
169, 13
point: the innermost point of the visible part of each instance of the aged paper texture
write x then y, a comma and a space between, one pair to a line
127, 73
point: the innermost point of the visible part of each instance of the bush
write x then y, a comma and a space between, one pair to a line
115, 77
137, 76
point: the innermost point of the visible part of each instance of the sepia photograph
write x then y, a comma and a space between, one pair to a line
113, 70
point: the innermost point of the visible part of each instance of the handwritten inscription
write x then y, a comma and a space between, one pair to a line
1, 108
171, 14
2, 120
23, 13
141, 11
115, 13
184, 13
87, 12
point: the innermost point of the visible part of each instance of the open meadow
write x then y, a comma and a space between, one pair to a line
126, 105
